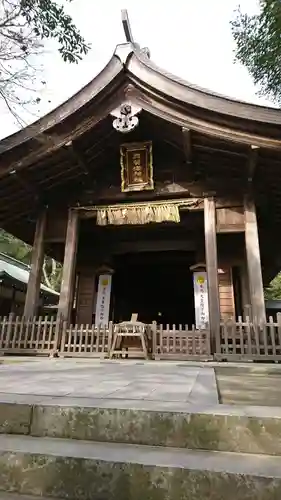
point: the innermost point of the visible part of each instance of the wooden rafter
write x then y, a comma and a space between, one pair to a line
77, 156
27, 186
252, 162
187, 144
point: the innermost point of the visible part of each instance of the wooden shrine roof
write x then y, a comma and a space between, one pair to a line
228, 140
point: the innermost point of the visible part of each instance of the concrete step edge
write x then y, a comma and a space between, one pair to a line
142, 405
196, 460
195, 430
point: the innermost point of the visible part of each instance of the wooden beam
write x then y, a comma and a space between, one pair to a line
254, 260
252, 162
78, 157
139, 246
212, 268
214, 149
66, 292
187, 145
24, 184
33, 287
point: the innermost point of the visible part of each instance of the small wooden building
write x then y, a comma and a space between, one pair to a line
14, 277
168, 191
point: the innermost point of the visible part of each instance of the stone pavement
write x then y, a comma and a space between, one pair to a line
129, 383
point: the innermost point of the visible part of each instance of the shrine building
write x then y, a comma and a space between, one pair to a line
160, 198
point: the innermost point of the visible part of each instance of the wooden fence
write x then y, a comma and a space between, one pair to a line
181, 343
241, 340
48, 336
21, 336
246, 341
86, 341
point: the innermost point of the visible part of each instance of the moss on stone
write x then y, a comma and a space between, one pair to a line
84, 479
15, 418
196, 431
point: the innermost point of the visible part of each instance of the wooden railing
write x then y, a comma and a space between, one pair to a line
35, 336
244, 340
46, 335
85, 340
241, 340
180, 343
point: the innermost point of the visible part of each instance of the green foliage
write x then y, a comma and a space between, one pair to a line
258, 46
49, 20
274, 289
14, 248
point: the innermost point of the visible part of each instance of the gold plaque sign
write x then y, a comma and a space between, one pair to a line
136, 166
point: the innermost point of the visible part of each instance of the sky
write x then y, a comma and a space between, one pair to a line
189, 38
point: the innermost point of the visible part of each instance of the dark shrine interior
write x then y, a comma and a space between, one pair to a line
156, 285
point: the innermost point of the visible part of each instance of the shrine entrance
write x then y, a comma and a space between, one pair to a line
156, 285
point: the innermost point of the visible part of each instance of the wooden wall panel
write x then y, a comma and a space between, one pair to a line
226, 294
230, 220
56, 226
85, 296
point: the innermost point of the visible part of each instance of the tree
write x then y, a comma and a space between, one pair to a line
258, 46
24, 24
274, 289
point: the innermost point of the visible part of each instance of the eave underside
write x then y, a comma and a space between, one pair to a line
87, 170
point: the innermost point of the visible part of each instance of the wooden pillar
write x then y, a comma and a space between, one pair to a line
212, 267
68, 274
254, 261
33, 287
245, 292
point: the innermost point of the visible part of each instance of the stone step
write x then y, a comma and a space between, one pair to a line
83, 470
221, 427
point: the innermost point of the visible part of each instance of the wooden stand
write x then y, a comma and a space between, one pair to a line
129, 329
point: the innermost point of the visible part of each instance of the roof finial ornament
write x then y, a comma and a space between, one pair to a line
128, 33
127, 26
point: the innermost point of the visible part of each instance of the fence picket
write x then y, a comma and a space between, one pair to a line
86, 338
98, 339
32, 335
249, 337
180, 338
241, 334
279, 331
233, 336
103, 333
272, 335
69, 339
38, 339
81, 331
45, 326
3, 329
161, 339
174, 340
15, 332
64, 333
92, 338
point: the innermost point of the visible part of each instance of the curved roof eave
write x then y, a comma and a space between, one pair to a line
73, 104
184, 92
128, 59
